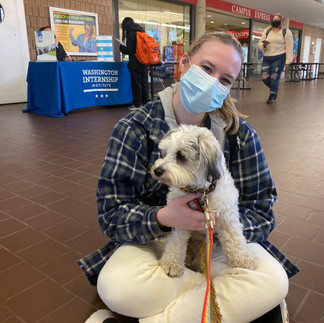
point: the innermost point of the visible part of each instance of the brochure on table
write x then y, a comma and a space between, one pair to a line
105, 48
45, 46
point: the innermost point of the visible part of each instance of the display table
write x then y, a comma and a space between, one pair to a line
56, 88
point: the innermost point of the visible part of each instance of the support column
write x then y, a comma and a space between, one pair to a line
200, 17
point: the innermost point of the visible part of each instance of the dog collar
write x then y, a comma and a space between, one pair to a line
207, 190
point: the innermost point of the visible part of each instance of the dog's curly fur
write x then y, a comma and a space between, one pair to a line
191, 156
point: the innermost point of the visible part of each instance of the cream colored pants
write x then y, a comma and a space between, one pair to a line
132, 284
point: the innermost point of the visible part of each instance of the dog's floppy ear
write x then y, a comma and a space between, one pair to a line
213, 171
211, 154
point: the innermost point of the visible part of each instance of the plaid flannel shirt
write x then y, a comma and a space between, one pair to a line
129, 198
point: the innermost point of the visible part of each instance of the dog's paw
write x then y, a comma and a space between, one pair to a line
246, 260
171, 268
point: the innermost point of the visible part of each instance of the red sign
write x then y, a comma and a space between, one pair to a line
238, 10
295, 24
240, 34
244, 33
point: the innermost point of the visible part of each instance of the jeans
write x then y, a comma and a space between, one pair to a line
139, 85
272, 67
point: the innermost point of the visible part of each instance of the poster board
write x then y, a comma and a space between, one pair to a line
76, 30
45, 46
105, 48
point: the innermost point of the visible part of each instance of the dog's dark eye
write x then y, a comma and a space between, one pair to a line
180, 157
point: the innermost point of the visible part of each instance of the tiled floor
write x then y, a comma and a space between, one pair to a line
48, 174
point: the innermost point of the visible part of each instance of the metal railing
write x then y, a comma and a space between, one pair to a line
296, 72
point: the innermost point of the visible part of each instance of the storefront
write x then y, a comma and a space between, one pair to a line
247, 25
171, 23
168, 22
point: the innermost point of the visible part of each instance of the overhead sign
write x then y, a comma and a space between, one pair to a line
247, 12
238, 10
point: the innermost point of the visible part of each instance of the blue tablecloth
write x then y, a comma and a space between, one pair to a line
56, 88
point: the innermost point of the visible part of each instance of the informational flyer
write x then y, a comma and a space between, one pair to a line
105, 48
45, 46
76, 30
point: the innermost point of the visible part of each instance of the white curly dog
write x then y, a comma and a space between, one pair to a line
191, 157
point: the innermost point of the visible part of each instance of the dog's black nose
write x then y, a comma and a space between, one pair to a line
159, 171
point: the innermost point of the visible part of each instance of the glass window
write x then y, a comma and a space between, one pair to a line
257, 30
238, 26
166, 22
295, 33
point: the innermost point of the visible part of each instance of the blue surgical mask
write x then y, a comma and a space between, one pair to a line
200, 92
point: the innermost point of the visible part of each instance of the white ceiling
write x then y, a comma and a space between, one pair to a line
309, 12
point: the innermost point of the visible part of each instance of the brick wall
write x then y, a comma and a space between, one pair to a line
37, 15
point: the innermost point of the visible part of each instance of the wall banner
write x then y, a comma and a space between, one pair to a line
76, 30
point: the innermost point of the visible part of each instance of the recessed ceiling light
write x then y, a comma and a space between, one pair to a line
209, 16
212, 22
225, 24
243, 22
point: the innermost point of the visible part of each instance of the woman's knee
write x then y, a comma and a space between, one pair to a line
274, 276
266, 79
129, 268
122, 289
132, 275
265, 74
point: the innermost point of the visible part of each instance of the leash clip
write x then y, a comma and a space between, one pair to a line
209, 223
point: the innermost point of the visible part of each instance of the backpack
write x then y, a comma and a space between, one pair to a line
147, 50
284, 31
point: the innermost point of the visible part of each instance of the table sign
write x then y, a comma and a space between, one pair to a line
105, 48
45, 45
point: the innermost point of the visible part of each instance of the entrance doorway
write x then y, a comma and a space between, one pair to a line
14, 55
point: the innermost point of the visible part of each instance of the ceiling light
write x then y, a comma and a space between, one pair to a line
212, 22
243, 22
209, 16
173, 13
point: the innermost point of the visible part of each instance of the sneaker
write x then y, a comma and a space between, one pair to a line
272, 97
102, 316
133, 108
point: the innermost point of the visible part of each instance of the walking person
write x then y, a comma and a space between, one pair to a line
277, 46
138, 71
134, 215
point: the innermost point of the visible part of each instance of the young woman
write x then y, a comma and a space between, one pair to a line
86, 41
277, 46
135, 217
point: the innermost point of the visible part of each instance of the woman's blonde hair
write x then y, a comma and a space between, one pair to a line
228, 111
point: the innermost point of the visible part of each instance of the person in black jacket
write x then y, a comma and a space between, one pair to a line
61, 54
138, 71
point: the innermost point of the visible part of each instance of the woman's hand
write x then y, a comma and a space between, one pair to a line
178, 214
265, 44
68, 58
